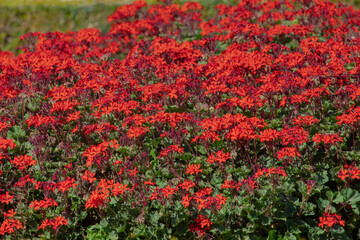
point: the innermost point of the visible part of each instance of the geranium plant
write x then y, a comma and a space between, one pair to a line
172, 126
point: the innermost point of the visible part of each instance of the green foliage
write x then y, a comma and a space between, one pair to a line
16, 21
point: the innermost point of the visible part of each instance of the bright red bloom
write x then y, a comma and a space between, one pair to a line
149, 182
168, 191
9, 226
97, 199
5, 143
327, 138
24, 180
293, 135
66, 185
4, 125
187, 184
349, 171
133, 172
305, 120
330, 219
47, 202
220, 200
268, 135
88, 176
171, 149
186, 200
95, 151
6, 198
220, 157
228, 184
193, 169
38, 120
54, 223
287, 152
23, 161
119, 188
351, 118
9, 213
126, 11
201, 225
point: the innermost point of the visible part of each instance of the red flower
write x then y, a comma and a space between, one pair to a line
220, 157
327, 138
287, 152
268, 135
133, 172
186, 200
23, 161
6, 198
330, 219
54, 223
349, 171
38, 120
171, 149
66, 185
9, 226
97, 198
149, 183
193, 169
201, 225
119, 188
221, 200
187, 185
168, 191
228, 184
293, 135
9, 213
88, 176
47, 202
344, 173
305, 120
5, 143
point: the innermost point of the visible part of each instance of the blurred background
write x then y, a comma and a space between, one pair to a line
18, 17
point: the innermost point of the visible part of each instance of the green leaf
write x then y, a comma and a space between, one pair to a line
266, 221
252, 215
154, 218
152, 153
322, 203
16, 132
122, 228
289, 236
186, 156
202, 150
104, 222
321, 177
348, 195
290, 209
330, 194
272, 235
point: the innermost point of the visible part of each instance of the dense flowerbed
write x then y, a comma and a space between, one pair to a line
168, 126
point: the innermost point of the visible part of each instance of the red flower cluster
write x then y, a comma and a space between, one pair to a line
349, 171
201, 225
10, 226
167, 110
268, 171
54, 223
23, 162
101, 195
47, 202
330, 219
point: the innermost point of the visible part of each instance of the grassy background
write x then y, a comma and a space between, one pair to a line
18, 17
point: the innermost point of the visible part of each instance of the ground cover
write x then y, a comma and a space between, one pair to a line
170, 126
